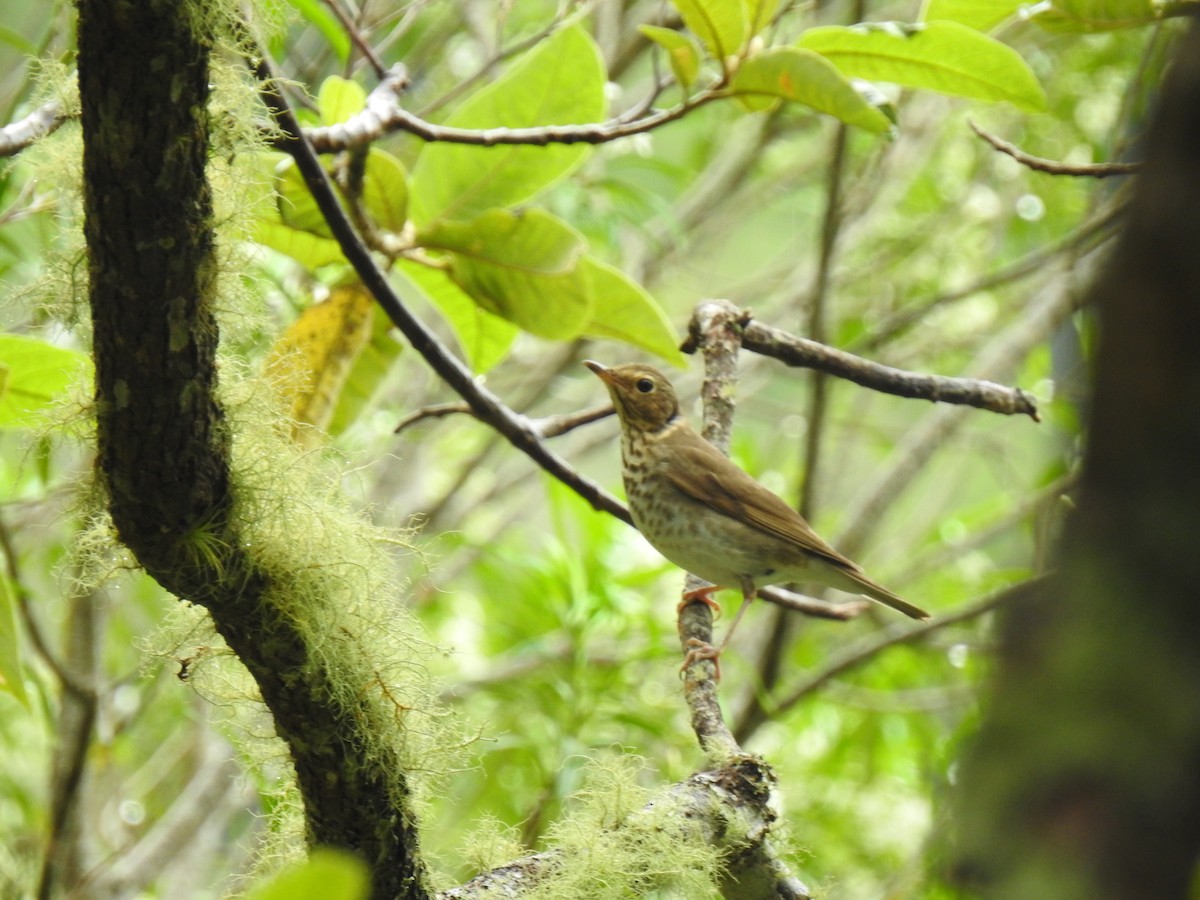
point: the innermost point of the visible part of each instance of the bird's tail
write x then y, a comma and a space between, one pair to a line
858, 582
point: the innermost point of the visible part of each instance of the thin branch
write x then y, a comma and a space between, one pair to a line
1053, 167
1041, 315
871, 646
944, 554
65, 676
516, 428
437, 411
796, 351
18, 135
384, 115
358, 39
720, 339
1098, 228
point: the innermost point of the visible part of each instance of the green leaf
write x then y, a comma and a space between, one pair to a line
940, 56
328, 874
759, 14
625, 311
982, 15
33, 375
338, 99
385, 190
801, 76
683, 53
485, 339
559, 82
520, 266
529, 240
12, 670
1105, 15
295, 203
720, 24
318, 15
306, 248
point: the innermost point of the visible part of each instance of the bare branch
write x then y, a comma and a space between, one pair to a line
384, 115
18, 135
901, 633
438, 411
797, 351
517, 429
1053, 167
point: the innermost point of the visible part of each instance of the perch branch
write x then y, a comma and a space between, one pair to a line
18, 135
797, 351
384, 115
516, 428
1053, 167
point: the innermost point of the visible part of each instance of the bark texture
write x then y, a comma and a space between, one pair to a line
1085, 779
163, 440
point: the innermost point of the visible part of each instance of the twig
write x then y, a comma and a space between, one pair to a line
796, 351
64, 675
1098, 228
1053, 167
16, 136
357, 38
901, 633
720, 340
437, 411
383, 115
1040, 317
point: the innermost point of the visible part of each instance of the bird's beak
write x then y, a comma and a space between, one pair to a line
604, 372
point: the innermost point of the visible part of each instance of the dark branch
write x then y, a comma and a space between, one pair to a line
1053, 167
517, 429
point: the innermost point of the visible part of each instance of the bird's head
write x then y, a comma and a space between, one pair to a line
642, 396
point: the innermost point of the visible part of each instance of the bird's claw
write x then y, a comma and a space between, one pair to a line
701, 595
698, 650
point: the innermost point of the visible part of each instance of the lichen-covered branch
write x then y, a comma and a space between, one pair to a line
18, 135
797, 351
384, 115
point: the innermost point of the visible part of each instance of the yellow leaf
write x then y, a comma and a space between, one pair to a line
310, 362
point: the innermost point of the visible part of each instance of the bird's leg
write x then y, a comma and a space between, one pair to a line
701, 650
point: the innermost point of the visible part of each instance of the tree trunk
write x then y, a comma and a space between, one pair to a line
163, 441
1085, 779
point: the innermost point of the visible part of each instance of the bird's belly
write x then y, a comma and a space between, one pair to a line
713, 546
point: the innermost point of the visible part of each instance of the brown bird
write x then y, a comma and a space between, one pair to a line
703, 513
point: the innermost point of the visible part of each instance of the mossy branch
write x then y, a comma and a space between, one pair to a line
165, 444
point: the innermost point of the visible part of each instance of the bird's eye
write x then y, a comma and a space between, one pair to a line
645, 385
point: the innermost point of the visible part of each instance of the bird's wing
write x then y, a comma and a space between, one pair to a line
707, 475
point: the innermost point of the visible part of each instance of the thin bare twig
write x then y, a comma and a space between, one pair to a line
901, 633
1053, 167
1098, 228
437, 411
64, 675
796, 351
358, 39
384, 115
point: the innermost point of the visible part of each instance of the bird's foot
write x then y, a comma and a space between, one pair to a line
701, 595
698, 650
